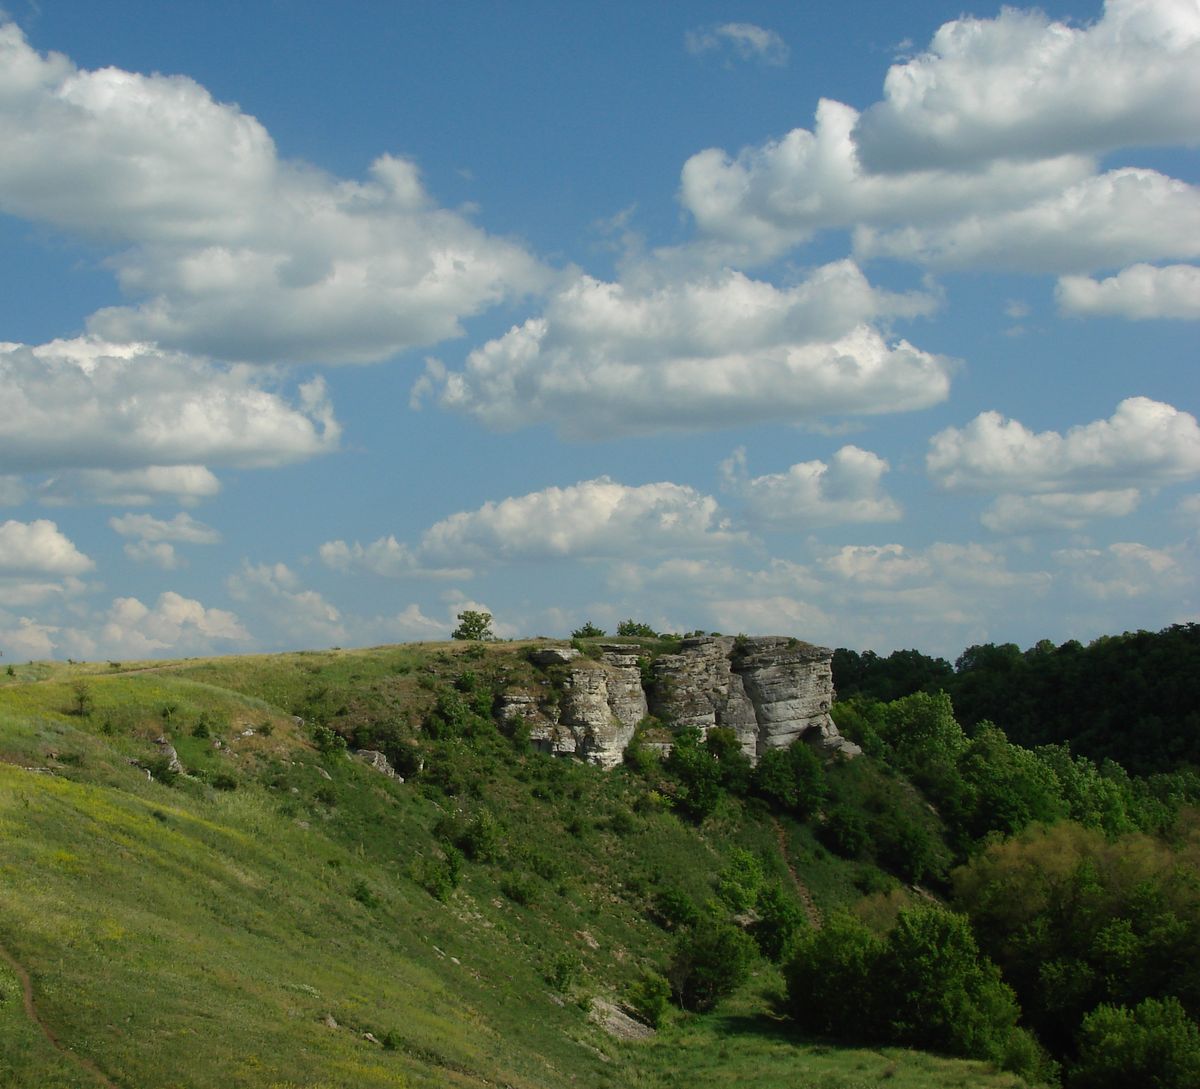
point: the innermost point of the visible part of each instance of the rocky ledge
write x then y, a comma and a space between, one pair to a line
770, 690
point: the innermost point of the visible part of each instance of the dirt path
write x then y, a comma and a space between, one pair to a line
810, 908
33, 1015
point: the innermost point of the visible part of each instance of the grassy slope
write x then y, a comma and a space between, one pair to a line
189, 937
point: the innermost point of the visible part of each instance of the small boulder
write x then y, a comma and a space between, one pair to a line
550, 656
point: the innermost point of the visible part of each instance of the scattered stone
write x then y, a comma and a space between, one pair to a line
616, 1022
373, 758
166, 749
549, 656
587, 939
248, 732
370, 1037
322, 772
329, 1021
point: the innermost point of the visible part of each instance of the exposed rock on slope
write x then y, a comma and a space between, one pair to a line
770, 690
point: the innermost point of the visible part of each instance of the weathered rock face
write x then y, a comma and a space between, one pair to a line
602, 703
768, 689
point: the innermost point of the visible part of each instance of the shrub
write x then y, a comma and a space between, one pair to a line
650, 997
673, 909
780, 923
563, 970
710, 960
588, 631
739, 882
636, 629
792, 779
1155, 1044
518, 888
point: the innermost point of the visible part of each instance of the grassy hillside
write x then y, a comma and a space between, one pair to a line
282, 916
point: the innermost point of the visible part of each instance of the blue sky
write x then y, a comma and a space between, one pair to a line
875, 325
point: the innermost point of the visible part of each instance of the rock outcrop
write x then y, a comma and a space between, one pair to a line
770, 690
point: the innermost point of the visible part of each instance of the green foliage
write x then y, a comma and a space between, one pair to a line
791, 779
650, 998
588, 631
83, 699
473, 625
636, 629
780, 922
160, 768
709, 961
328, 740
1076, 921
698, 774
924, 985
673, 909
900, 674
563, 970
1155, 1045
830, 981
739, 882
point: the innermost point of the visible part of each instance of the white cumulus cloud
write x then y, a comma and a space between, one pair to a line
185, 484
275, 599
225, 249
846, 489
39, 547
87, 404
1024, 87
152, 537
725, 350
1058, 510
984, 151
1140, 292
1143, 444
175, 625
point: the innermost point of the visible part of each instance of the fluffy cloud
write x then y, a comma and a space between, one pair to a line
24, 637
745, 40
1127, 570
625, 358
226, 250
1125, 215
152, 537
773, 197
1139, 292
591, 520
1143, 444
385, 557
183, 527
186, 484
595, 518
983, 151
815, 493
1058, 510
176, 625
86, 403
1020, 86
274, 596
39, 548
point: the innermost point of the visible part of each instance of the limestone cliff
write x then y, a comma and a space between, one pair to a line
770, 690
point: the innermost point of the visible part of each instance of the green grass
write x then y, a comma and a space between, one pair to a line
186, 937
